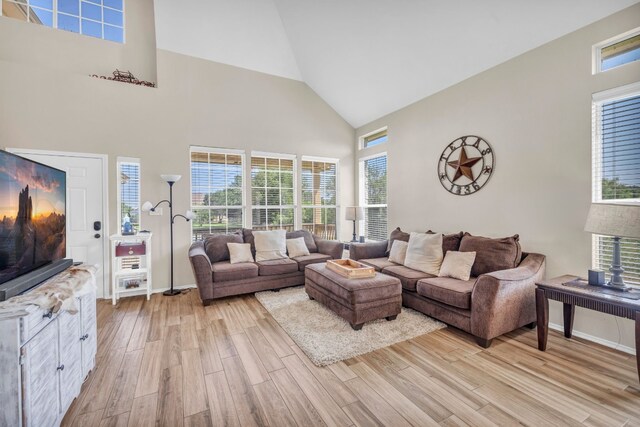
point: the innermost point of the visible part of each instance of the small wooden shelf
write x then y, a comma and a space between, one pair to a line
121, 266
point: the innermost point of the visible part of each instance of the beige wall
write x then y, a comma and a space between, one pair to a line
535, 111
197, 103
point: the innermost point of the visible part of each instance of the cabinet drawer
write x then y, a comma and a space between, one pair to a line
33, 323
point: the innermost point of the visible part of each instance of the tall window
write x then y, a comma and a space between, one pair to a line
616, 168
217, 196
129, 195
373, 196
319, 197
103, 19
272, 192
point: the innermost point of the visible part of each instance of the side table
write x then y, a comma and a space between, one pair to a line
587, 297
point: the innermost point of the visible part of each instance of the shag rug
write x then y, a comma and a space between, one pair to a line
327, 338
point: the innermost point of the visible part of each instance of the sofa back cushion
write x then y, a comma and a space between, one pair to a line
308, 239
450, 242
215, 245
396, 234
492, 254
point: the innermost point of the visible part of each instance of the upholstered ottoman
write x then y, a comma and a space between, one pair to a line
355, 300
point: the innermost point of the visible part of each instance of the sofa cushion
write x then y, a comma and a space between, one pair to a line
247, 235
224, 271
492, 254
215, 245
447, 290
450, 242
378, 263
275, 267
314, 258
396, 234
408, 277
308, 239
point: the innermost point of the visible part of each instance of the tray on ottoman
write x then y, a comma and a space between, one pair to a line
350, 268
355, 300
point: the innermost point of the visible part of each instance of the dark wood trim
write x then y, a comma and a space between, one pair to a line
542, 314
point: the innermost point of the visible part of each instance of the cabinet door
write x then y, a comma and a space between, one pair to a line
89, 332
70, 358
40, 378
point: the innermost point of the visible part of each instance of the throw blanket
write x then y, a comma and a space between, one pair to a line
57, 293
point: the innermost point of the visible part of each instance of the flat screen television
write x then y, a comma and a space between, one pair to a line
32, 223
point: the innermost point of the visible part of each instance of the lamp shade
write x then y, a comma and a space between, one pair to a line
354, 213
189, 215
147, 206
171, 177
613, 219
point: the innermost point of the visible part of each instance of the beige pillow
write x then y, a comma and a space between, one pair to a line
239, 252
424, 253
398, 251
457, 265
297, 247
270, 244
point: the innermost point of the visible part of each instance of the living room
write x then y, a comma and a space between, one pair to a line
343, 94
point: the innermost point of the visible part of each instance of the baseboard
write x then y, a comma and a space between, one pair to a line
602, 341
153, 291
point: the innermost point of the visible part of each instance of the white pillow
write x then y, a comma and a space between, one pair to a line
297, 247
398, 251
457, 265
240, 252
270, 244
424, 252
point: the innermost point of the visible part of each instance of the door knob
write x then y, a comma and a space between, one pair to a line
97, 235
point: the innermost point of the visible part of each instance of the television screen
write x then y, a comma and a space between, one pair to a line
32, 215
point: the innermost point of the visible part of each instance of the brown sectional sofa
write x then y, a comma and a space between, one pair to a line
216, 277
488, 305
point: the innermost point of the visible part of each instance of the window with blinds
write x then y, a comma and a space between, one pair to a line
373, 195
273, 192
129, 195
217, 196
375, 138
319, 197
616, 169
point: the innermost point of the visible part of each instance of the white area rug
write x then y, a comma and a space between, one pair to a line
327, 338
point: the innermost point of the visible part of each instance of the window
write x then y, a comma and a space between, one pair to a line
374, 138
373, 196
319, 197
217, 196
129, 195
617, 51
272, 192
616, 168
103, 19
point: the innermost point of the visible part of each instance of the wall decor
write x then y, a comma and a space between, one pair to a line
465, 165
125, 77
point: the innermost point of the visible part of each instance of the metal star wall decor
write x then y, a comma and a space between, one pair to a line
466, 164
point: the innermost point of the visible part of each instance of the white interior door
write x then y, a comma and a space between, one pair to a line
85, 207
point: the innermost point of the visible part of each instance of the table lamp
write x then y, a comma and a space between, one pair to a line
354, 213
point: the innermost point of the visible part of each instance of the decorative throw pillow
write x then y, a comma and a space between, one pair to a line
240, 252
424, 252
308, 239
396, 234
398, 252
457, 265
492, 254
215, 245
270, 244
297, 247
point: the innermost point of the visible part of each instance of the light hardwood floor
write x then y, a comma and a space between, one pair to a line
173, 362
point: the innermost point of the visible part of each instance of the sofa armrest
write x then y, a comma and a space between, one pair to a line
201, 266
505, 300
333, 248
368, 250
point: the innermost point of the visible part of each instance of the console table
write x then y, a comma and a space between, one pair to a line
587, 297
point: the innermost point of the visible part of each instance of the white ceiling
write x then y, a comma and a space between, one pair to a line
367, 58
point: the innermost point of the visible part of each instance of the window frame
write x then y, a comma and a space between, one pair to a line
225, 151
596, 50
121, 161
336, 206
362, 140
362, 190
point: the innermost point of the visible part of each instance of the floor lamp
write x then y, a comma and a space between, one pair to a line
188, 216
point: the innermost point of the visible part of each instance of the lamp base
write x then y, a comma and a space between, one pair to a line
619, 288
172, 292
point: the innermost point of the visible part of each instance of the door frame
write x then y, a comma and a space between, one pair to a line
104, 158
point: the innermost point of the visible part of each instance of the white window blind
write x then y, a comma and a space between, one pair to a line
129, 193
616, 169
272, 192
373, 172
217, 196
319, 197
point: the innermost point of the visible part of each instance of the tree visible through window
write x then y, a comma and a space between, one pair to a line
272, 193
319, 197
129, 195
374, 196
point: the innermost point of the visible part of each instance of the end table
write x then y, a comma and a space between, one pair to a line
588, 297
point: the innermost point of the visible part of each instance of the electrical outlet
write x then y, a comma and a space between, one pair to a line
157, 212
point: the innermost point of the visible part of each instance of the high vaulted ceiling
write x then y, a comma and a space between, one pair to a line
367, 58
